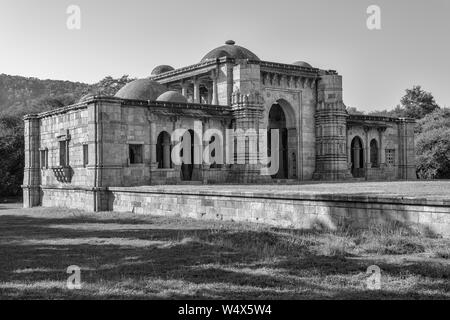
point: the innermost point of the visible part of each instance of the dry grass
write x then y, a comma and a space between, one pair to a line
132, 256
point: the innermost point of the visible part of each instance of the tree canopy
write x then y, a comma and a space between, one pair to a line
433, 145
417, 103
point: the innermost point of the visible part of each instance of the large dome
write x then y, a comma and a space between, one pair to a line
161, 69
141, 89
230, 50
172, 96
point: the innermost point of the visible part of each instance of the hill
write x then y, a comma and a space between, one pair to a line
21, 95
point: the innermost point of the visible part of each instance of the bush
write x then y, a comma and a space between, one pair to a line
12, 155
11, 164
433, 146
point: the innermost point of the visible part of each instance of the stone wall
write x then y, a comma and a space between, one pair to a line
71, 126
288, 210
395, 136
82, 199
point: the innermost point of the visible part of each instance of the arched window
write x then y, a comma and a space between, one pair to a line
374, 153
163, 151
357, 157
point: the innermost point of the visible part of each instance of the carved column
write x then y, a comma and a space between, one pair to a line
184, 89
215, 99
210, 95
166, 152
380, 150
32, 174
366, 153
196, 83
247, 110
153, 141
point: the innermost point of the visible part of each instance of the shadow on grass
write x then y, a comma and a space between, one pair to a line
153, 258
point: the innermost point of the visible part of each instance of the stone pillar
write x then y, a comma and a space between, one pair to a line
210, 95
215, 98
331, 115
292, 153
153, 142
366, 153
197, 165
184, 89
32, 174
380, 147
247, 111
166, 153
349, 147
196, 90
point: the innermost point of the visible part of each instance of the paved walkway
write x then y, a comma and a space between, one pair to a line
439, 189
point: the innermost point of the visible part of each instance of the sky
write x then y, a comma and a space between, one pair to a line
132, 37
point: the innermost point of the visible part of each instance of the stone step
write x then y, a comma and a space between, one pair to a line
190, 182
284, 181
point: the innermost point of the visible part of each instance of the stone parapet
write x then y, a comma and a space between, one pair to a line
290, 210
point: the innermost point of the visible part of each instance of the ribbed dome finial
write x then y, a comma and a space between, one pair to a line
230, 50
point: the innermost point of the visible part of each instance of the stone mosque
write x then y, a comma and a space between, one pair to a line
75, 154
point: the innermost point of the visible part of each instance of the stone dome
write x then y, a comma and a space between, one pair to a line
302, 64
172, 96
230, 50
141, 89
161, 69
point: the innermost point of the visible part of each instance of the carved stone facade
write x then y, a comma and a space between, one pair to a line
75, 153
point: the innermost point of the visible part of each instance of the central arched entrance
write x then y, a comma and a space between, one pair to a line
163, 149
277, 120
357, 157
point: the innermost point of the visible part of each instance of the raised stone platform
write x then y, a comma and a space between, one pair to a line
420, 205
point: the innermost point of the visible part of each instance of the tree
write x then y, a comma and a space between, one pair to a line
439, 119
398, 112
109, 86
417, 103
433, 145
11, 155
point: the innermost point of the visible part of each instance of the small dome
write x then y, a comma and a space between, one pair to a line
172, 96
161, 69
230, 50
141, 89
302, 64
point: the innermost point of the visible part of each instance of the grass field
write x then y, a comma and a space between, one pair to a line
136, 257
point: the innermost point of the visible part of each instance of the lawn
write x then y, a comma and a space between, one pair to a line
147, 257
